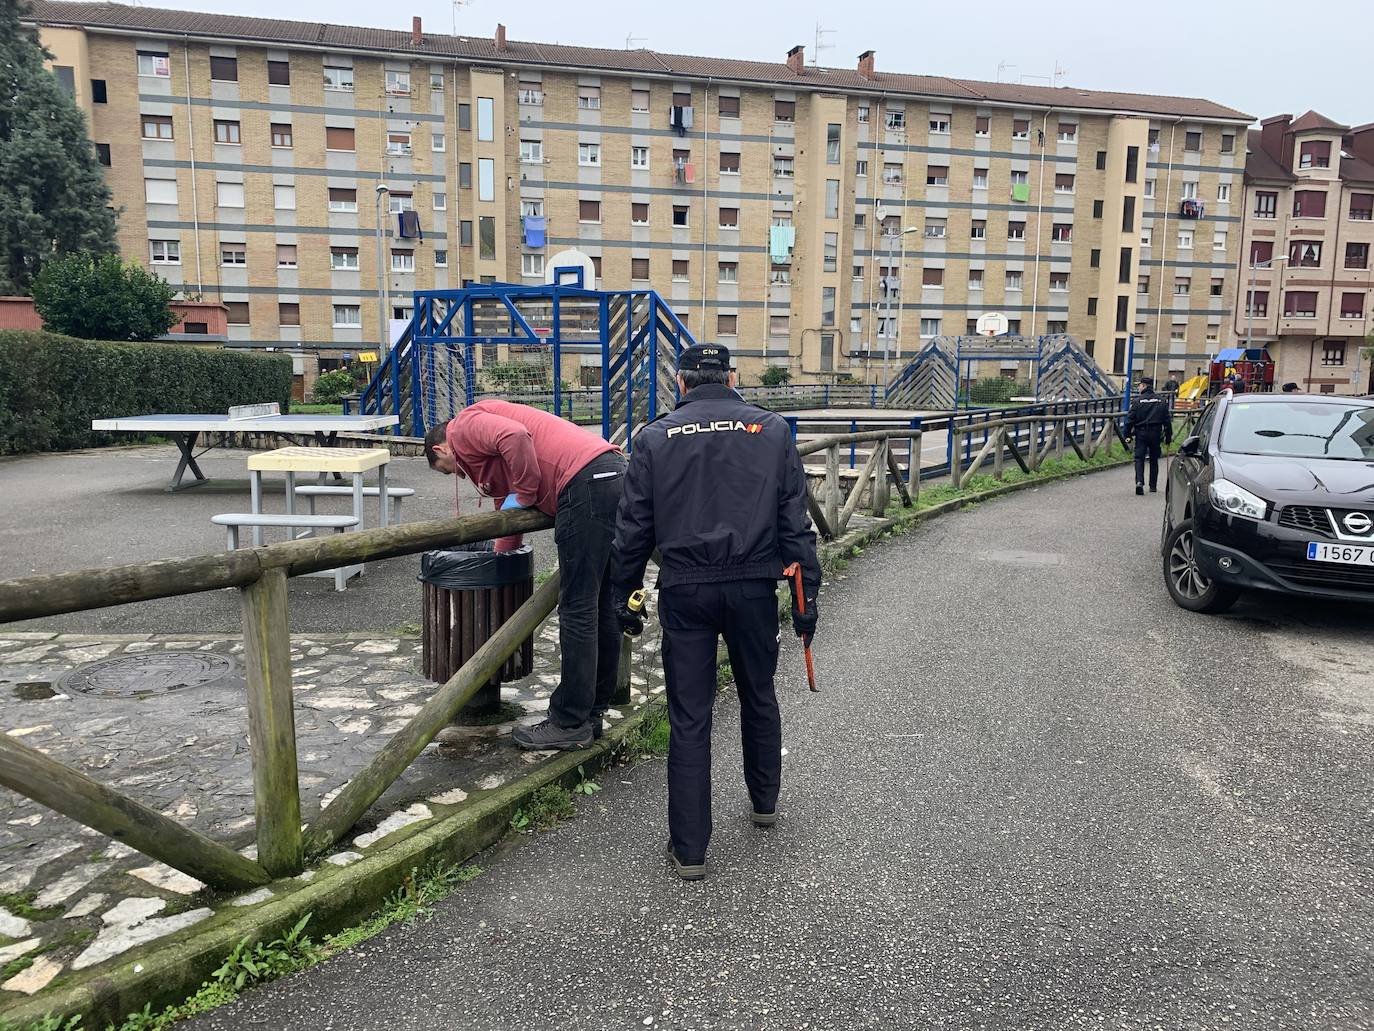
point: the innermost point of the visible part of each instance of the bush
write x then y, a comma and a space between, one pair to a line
333, 385
102, 298
51, 387
775, 376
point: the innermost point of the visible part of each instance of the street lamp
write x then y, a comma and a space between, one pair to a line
901, 261
383, 298
1250, 298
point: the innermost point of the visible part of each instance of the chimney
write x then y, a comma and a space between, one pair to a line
417, 35
866, 65
796, 59
500, 37
1275, 140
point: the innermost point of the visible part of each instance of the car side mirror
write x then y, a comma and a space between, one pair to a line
1192, 447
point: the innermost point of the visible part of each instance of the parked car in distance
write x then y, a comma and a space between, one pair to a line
1272, 492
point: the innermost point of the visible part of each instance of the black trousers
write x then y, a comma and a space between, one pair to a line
588, 631
693, 616
1147, 447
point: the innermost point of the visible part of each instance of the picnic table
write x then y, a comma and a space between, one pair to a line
186, 430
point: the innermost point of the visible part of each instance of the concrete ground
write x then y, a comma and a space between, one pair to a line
109, 506
1032, 794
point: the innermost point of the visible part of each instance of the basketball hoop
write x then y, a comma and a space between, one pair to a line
992, 324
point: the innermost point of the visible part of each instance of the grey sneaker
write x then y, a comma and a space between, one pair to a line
549, 735
764, 819
687, 871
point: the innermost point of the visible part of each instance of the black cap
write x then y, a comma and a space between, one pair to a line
1146, 381
704, 356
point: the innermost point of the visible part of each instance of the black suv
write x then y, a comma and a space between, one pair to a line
1274, 492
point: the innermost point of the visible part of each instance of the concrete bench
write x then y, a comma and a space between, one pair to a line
394, 494
234, 520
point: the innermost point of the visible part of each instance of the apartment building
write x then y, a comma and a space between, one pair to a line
829, 220
1307, 236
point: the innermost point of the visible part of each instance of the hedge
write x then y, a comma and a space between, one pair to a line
52, 386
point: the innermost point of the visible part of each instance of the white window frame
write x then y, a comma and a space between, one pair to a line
341, 83
1185, 239
978, 230
441, 258
980, 178
939, 125
1223, 193
486, 179
1149, 188
398, 202
648, 99
397, 83
894, 120
1015, 234
342, 205
739, 163
1063, 189
233, 250
861, 168
589, 155
532, 264
1015, 280
1067, 137
164, 252
398, 147
532, 94
639, 157
727, 275
1063, 286
295, 262
436, 81
439, 200
1189, 190
438, 142
862, 114
589, 98
148, 191
893, 173
530, 208
1219, 240
347, 262
976, 284
219, 195
936, 228
1024, 179
1147, 236
157, 66
787, 171
402, 261
353, 314
532, 152
930, 327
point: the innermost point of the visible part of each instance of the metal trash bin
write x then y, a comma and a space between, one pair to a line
468, 594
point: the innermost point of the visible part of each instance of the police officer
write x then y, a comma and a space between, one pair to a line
718, 488
1148, 421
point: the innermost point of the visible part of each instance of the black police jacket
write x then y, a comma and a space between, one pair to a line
718, 487
1149, 416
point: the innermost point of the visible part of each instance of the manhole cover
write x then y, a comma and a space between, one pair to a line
144, 676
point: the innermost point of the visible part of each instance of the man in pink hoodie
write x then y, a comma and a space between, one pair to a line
522, 457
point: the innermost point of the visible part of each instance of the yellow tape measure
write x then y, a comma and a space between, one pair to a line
636, 602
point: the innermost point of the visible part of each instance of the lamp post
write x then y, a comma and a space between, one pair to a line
383, 298
1250, 298
901, 261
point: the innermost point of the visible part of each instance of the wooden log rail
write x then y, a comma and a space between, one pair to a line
260, 574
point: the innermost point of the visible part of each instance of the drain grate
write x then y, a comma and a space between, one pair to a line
146, 675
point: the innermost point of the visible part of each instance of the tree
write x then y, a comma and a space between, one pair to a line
102, 298
775, 376
331, 386
53, 197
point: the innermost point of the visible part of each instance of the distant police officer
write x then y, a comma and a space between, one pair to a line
718, 487
1148, 421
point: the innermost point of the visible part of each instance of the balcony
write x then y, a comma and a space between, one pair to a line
1191, 208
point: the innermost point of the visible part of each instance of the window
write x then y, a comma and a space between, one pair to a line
486, 179
1068, 132
1101, 161
784, 110
1123, 311
729, 163
729, 218
1219, 239
238, 312
783, 167
1333, 352
1217, 286
532, 151
589, 211
337, 77
398, 144
465, 234
980, 178
288, 313
892, 225
281, 134
939, 124
341, 198
861, 168
229, 195
827, 306
1054, 327
465, 113
398, 83
725, 325
1178, 333
831, 253
485, 119
1228, 143
347, 316
930, 327
1059, 281
156, 66
1020, 178
896, 120
529, 94
224, 69
589, 98
1123, 271
681, 270
975, 279
639, 213
892, 173
778, 325
726, 271
1063, 183
227, 132
486, 238
680, 215
438, 142
589, 154
832, 144
858, 272
1189, 191
338, 138
1127, 214
1300, 304
160, 191
99, 94
1266, 204
102, 154
1192, 141
1309, 203
933, 277
887, 327
1020, 128
533, 265
440, 201
1149, 187
164, 252
1361, 207
978, 230
935, 228
982, 125
1092, 305
1257, 303
1315, 154
1182, 285
1061, 232
1016, 230
1013, 281
286, 255
832, 198
343, 259
1185, 239
441, 259
464, 175
1357, 255
1352, 306
1305, 253
1142, 284
937, 175
157, 127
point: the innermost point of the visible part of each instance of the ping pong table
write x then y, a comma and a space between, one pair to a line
186, 430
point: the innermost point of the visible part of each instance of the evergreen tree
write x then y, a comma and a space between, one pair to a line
101, 298
53, 198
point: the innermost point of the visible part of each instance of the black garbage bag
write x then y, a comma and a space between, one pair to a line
474, 566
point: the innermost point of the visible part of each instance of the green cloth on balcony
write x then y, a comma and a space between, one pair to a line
780, 240
1020, 192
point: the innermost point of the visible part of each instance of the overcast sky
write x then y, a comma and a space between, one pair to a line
1242, 53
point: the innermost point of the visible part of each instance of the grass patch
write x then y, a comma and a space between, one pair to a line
545, 810
649, 737
315, 409
725, 675
21, 905
409, 629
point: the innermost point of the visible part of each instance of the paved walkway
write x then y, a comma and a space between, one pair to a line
1033, 794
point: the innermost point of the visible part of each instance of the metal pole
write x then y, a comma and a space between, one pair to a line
383, 336
1250, 303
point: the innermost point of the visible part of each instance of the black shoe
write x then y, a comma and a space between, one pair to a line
1140, 488
598, 720
1154, 489
549, 735
687, 871
764, 819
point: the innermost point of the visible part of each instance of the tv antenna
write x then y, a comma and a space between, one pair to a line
821, 44
632, 39
1001, 67
1059, 72
457, 4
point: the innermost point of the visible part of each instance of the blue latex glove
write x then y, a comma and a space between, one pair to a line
511, 502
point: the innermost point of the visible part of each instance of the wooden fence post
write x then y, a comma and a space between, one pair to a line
272, 724
913, 466
1000, 434
956, 459
881, 490
832, 488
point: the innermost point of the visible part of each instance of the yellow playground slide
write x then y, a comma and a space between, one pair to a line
1192, 389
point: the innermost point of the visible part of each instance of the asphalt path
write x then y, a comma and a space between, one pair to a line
1032, 794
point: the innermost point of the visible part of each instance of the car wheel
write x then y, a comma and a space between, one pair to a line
1189, 588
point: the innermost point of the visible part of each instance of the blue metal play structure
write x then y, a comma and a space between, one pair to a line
507, 341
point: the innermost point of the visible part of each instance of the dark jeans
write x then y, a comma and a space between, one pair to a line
1147, 446
692, 617
588, 631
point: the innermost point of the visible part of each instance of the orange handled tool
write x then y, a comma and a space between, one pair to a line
794, 575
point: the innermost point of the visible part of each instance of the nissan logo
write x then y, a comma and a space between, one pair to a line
1358, 523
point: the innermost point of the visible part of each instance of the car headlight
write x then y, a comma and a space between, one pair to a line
1233, 499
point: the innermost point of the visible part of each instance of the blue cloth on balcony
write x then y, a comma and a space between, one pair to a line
534, 230
780, 240
408, 225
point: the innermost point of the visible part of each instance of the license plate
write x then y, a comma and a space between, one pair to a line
1349, 554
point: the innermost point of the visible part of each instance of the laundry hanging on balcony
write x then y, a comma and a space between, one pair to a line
534, 230
684, 171
1191, 209
780, 240
408, 225
1020, 192
680, 119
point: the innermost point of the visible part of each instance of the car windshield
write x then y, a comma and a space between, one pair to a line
1300, 429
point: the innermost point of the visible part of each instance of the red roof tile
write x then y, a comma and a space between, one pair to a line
1313, 121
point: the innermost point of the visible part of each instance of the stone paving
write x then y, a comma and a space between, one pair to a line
183, 750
